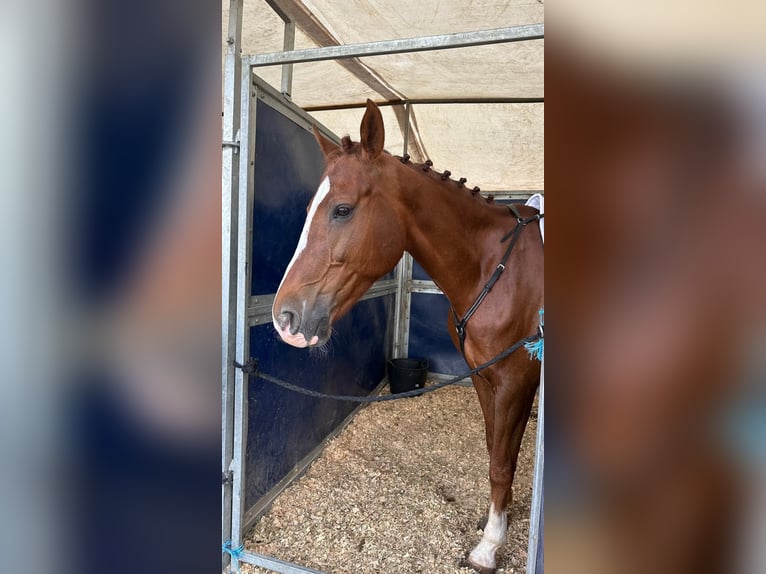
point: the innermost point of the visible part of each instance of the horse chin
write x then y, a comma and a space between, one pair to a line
319, 342
321, 336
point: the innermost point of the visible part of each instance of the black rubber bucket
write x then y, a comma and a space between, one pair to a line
406, 374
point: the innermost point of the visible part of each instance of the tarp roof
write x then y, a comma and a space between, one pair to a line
498, 146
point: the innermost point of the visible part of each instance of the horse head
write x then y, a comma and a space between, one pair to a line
353, 235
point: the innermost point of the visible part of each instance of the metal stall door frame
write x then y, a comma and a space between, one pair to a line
241, 213
229, 218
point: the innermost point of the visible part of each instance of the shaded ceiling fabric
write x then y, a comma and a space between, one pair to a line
498, 147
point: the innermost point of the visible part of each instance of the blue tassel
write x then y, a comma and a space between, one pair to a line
535, 348
235, 553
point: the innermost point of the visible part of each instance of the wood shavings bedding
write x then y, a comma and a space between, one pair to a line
401, 489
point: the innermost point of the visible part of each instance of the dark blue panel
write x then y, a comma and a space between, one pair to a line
284, 426
419, 273
429, 334
288, 168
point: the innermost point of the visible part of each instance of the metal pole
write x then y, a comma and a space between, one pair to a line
420, 44
275, 564
287, 69
407, 112
242, 347
402, 310
535, 514
229, 185
403, 277
497, 100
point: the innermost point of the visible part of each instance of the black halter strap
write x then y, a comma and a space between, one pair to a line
521, 223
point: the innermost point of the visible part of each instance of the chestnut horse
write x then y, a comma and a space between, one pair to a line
369, 209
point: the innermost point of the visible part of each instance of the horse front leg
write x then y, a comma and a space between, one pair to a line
512, 408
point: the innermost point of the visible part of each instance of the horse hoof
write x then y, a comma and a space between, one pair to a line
466, 562
482, 524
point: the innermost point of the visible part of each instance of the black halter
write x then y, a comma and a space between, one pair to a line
521, 223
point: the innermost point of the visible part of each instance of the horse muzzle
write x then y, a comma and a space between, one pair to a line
310, 328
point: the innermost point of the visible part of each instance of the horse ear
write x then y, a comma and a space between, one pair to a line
372, 131
328, 146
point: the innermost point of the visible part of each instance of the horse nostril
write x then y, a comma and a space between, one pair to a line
285, 320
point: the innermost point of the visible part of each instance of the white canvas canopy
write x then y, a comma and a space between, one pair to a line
476, 111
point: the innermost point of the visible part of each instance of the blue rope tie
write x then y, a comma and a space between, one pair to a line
235, 553
535, 348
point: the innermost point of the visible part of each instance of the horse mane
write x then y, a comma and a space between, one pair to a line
349, 147
443, 177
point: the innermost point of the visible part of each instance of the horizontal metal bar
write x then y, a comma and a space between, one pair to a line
429, 101
442, 378
259, 307
275, 564
420, 44
420, 286
518, 194
259, 320
380, 289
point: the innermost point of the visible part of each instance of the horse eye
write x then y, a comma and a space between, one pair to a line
342, 211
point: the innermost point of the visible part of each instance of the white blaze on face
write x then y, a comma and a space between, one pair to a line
298, 339
494, 538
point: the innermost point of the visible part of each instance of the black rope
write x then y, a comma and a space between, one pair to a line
251, 368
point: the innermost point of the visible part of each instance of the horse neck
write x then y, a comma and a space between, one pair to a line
447, 230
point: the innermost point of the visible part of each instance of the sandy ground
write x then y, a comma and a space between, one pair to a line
401, 489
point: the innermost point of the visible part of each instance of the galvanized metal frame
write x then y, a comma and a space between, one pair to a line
275, 564
402, 307
229, 189
239, 310
287, 69
401, 342
243, 277
427, 101
537, 480
288, 44
421, 44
